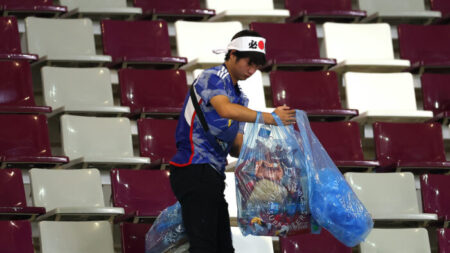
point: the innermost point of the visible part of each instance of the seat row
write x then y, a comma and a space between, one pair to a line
352, 46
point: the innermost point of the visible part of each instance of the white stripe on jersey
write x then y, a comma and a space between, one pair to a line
190, 109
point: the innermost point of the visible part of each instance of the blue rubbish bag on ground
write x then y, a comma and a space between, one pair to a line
167, 232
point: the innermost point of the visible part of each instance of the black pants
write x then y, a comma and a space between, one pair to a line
200, 191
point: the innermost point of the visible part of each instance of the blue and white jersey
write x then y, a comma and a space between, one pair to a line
192, 145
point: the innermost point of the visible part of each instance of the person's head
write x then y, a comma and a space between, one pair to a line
248, 56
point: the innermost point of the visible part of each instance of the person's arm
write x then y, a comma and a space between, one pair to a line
237, 144
237, 112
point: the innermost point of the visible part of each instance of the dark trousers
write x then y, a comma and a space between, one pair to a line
200, 190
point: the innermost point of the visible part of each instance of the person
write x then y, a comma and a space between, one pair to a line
210, 127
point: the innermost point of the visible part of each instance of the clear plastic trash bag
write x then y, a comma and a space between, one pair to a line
167, 233
333, 204
270, 182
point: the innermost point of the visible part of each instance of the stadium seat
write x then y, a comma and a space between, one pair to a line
99, 8
199, 51
23, 8
435, 195
133, 237
426, 47
361, 47
98, 141
230, 196
317, 93
138, 43
312, 243
25, 142
322, 10
383, 97
79, 90
76, 237
63, 41
292, 46
16, 237
246, 11
402, 205
173, 10
398, 148
342, 142
407, 240
444, 7
70, 195
412, 11
153, 92
436, 96
443, 240
144, 194
10, 48
16, 87
157, 140
251, 243
13, 203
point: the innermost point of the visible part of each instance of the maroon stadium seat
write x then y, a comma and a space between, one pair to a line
312, 243
16, 237
31, 7
174, 9
322, 10
138, 42
436, 195
13, 203
16, 89
444, 7
416, 147
10, 41
142, 193
317, 93
153, 92
436, 95
25, 142
291, 46
133, 237
342, 142
444, 240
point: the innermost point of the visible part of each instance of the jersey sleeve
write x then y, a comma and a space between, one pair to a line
209, 85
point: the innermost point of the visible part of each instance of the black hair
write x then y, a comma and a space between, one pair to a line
256, 58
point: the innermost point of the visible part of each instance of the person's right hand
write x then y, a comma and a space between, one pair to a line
286, 115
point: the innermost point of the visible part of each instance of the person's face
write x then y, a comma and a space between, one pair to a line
241, 69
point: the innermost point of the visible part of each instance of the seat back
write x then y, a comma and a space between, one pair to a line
230, 194
305, 90
10, 42
95, 136
398, 142
60, 37
250, 243
436, 92
253, 5
440, 5
66, 188
27, 3
435, 194
289, 40
12, 191
342, 140
16, 84
135, 38
393, 240
296, 6
191, 46
157, 139
152, 89
133, 237
253, 89
372, 189
81, 4
432, 45
358, 41
323, 242
380, 91
16, 236
77, 87
159, 5
373, 6
444, 240
75, 237
146, 191
24, 135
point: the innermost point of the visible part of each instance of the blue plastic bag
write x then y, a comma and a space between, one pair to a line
270, 182
333, 204
167, 231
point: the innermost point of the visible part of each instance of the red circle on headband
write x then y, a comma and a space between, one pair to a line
261, 44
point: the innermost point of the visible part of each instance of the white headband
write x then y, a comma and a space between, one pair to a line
254, 44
